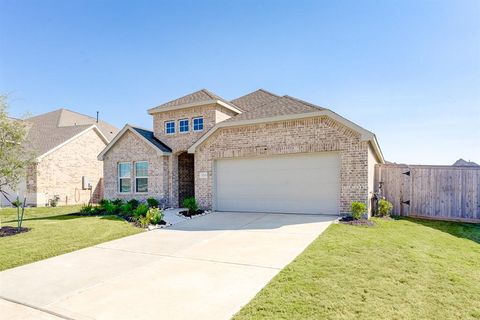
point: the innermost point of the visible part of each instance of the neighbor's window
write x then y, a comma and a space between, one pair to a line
183, 125
170, 127
198, 124
141, 176
124, 177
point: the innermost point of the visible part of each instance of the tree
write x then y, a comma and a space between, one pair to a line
14, 158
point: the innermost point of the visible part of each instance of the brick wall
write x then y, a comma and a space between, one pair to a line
296, 136
178, 141
130, 148
60, 173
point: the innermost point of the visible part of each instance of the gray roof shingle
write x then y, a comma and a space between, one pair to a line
198, 96
48, 130
254, 99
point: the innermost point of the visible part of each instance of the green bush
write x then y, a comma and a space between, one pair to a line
141, 211
126, 210
358, 209
117, 202
154, 215
384, 207
143, 221
152, 202
134, 203
88, 210
103, 201
191, 204
110, 208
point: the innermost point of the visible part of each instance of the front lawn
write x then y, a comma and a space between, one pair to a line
54, 231
401, 269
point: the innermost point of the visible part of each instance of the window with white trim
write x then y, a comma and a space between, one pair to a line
183, 125
124, 177
198, 124
170, 127
141, 176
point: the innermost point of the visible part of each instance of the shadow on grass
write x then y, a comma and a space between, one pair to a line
470, 231
69, 216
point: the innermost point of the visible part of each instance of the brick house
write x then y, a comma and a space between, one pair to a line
65, 145
260, 152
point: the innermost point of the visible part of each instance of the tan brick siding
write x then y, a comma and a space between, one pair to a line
182, 141
60, 173
295, 136
130, 148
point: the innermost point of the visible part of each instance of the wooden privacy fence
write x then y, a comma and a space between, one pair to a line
438, 192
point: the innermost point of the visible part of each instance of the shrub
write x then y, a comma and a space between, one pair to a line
126, 210
384, 207
143, 221
103, 201
88, 210
117, 202
141, 211
358, 209
154, 215
134, 203
110, 208
152, 202
191, 204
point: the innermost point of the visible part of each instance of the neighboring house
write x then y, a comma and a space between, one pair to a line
260, 152
65, 145
462, 163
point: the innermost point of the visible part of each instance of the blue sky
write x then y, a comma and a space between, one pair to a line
409, 71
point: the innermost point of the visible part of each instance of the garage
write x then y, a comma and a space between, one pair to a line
296, 183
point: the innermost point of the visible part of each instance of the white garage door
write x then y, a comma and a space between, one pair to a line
300, 183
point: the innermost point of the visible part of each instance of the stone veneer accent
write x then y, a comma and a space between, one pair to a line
130, 148
60, 173
294, 136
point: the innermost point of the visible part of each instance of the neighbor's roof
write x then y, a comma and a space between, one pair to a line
463, 163
193, 99
49, 130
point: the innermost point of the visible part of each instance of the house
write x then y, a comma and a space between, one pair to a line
65, 145
260, 152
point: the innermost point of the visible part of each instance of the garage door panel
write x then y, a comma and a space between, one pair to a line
301, 183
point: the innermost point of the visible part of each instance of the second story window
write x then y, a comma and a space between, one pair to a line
170, 127
198, 124
183, 125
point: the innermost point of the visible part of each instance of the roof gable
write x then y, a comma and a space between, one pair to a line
200, 97
144, 134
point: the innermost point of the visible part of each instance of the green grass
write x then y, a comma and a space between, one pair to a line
401, 269
54, 231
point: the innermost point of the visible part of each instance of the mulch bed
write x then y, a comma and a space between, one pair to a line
189, 214
7, 231
361, 222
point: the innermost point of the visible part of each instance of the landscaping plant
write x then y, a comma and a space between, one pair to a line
88, 210
134, 203
117, 202
141, 211
385, 207
191, 204
154, 215
152, 202
358, 209
126, 210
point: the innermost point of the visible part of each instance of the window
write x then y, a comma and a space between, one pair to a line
124, 177
198, 124
183, 125
170, 127
141, 176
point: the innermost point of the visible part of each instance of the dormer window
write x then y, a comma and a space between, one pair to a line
170, 127
183, 125
198, 124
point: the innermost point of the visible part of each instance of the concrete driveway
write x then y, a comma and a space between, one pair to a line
204, 268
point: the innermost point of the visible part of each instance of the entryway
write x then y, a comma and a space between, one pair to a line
186, 176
